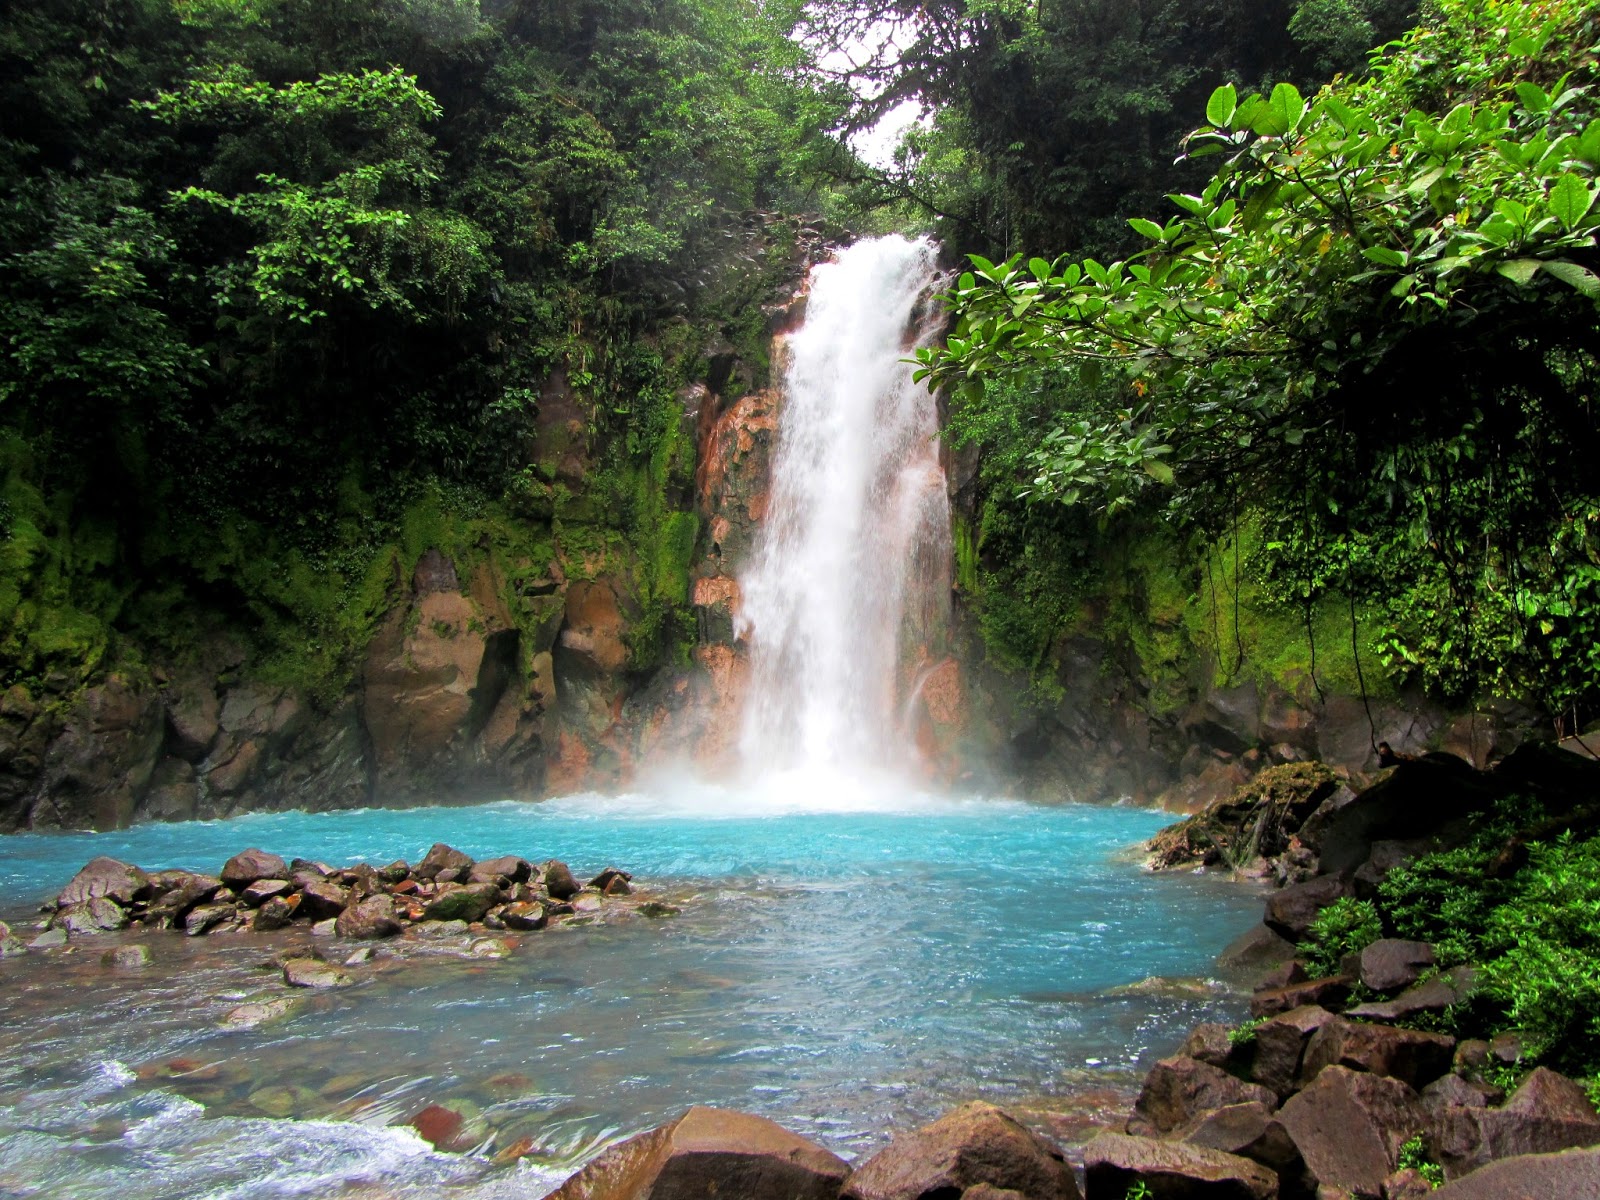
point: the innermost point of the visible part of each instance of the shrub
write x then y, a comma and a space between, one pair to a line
1344, 927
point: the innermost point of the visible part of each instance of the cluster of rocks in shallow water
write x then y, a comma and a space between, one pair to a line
260, 892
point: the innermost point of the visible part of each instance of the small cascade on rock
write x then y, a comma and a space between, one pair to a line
852, 575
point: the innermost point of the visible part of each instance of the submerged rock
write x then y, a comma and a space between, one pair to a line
711, 1152
97, 915
127, 957
314, 973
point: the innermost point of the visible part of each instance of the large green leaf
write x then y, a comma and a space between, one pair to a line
1222, 105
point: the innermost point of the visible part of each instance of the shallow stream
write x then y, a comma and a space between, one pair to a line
846, 965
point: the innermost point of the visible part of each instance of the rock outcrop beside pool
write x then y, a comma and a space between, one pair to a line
260, 892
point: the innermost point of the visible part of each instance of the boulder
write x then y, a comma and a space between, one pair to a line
711, 1152
262, 890
559, 880
245, 868
275, 913
1247, 1130
1391, 963
1450, 1090
1210, 1042
525, 915
1349, 1126
207, 917
395, 872
1323, 993
127, 957
1281, 1044
454, 1126
177, 893
1409, 1055
50, 939
1179, 1089
1407, 1183
1291, 910
1564, 1176
1114, 1163
442, 858
10, 944
976, 1143
97, 915
322, 899
1432, 995
372, 918
609, 876
105, 877
468, 903
509, 866
313, 973
1549, 1112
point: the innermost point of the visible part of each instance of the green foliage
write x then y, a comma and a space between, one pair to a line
1344, 927
1377, 321
1534, 936
1414, 1157
1245, 1032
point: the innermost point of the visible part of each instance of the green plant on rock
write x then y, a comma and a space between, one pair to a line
1344, 927
1414, 1157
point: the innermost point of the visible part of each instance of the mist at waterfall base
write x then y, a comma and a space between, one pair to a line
854, 954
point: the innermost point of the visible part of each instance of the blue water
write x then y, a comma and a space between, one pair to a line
846, 972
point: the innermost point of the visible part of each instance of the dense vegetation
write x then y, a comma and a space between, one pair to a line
280, 277
1371, 336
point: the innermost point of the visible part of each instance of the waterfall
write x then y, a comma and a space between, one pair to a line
852, 574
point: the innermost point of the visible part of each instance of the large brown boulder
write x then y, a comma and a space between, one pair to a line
1331, 992
1247, 1130
1549, 1112
559, 880
372, 918
246, 868
470, 903
1409, 1055
1281, 1044
1291, 910
1391, 963
98, 915
1114, 1162
321, 899
118, 881
509, 866
1349, 1126
176, 893
975, 1144
710, 1152
1564, 1176
1179, 1089
443, 858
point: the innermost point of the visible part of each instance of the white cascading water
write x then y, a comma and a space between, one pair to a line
853, 567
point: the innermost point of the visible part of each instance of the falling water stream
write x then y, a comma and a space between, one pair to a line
853, 954
856, 544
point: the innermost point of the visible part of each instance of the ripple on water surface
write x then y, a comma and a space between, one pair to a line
849, 960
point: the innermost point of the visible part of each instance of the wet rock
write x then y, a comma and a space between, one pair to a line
323, 900
1409, 1055
1407, 1184
976, 1143
586, 904
247, 867
275, 913
1549, 1112
1281, 1044
1349, 1126
468, 904
442, 858
1114, 1163
10, 944
262, 890
395, 872
1256, 947
1564, 1176
314, 973
372, 918
283, 1100
1210, 1042
207, 917
177, 892
1291, 910
489, 948
361, 957
98, 915
1179, 1089
711, 1152
258, 1012
50, 939
525, 915
1323, 993
1391, 963
441, 929
105, 877
328, 928
509, 866
612, 875
451, 875
454, 1126
127, 957
559, 880
656, 909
